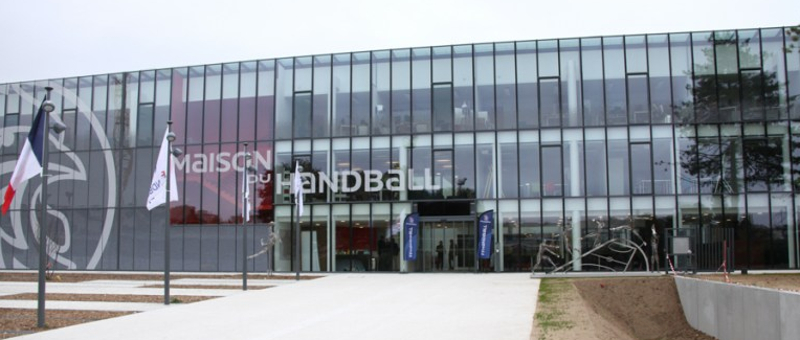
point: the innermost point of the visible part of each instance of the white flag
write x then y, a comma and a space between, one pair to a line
246, 203
298, 189
158, 186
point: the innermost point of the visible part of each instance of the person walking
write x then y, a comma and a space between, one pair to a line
439, 255
451, 254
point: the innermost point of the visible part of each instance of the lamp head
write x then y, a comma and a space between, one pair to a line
247, 156
177, 152
58, 127
171, 136
251, 169
48, 106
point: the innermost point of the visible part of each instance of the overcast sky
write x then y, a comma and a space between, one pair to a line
62, 38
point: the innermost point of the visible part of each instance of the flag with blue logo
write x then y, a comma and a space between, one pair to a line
410, 231
485, 229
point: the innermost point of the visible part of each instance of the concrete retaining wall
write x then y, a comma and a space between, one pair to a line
731, 312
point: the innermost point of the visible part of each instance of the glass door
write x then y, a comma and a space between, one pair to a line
446, 246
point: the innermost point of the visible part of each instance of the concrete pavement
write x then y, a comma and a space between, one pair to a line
339, 306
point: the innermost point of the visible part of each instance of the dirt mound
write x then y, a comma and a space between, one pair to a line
646, 308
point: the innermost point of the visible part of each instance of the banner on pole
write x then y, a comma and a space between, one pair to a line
485, 229
410, 231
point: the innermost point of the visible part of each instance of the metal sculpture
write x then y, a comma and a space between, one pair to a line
623, 246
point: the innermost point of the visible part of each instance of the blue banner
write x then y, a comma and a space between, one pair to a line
410, 231
485, 229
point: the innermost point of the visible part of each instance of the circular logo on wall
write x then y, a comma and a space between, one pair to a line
66, 171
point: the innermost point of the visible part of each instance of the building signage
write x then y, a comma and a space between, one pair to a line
367, 180
410, 231
485, 228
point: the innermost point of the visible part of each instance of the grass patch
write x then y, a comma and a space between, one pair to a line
548, 317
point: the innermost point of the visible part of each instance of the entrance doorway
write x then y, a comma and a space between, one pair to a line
446, 246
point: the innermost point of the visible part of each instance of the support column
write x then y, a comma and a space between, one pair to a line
574, 160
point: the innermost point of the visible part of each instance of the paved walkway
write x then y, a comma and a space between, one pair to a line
339, 306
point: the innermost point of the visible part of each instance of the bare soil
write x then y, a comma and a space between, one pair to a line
107, 298
16, 322
628, 308
644, 308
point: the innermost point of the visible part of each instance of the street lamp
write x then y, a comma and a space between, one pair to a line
58, 127
172, 152
245, 212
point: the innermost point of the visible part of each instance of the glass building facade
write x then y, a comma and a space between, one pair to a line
585, 148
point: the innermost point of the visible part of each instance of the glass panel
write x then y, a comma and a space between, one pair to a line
283, 95
614, 59
570, 82
505, 82
573, 163
641, 168
530, 234
660, 92
596, 163
230, 107
361, 97
749, 49
401, 94
302, 74
442, 107
443, 173
247, 102
774, 86
635, 54
681, 65
442, 68
727, 76
793, 76
638, 100
508, 182
508, 224
686, 150
593, 97
757, 222
381, 78
421, 163
265, 106
527, 98
421, 90
484, 89
462, 87
618, 164
485, 163
705, 83
194, 114
763, 159
211, 114
782, 250
550, 110
552, 171
548, 58
302, 114
529, 165
464, 166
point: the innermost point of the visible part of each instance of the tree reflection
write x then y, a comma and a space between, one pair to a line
720, 97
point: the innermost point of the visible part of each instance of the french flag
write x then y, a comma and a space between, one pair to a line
30, 159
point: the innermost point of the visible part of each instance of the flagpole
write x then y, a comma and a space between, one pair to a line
244, 218
298, 192
48, 107
170, 139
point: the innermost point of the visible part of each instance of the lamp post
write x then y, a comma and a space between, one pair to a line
245, 214
57, 127
297, 232
172, 152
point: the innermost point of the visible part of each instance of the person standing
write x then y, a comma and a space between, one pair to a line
439, 255
451, 254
